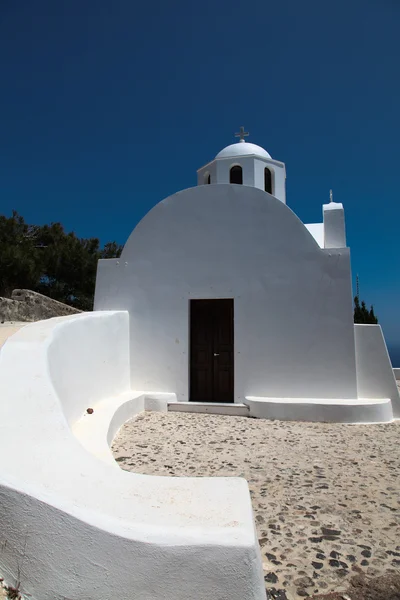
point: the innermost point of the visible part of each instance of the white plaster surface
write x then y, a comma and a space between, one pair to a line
253, 160
325, 410
96, 431
293, 313
375, 377
334, 225
318, 233
242, 149
104, 368
214, 408
75, 526
396, 372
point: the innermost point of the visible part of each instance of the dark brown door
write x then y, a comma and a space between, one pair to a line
211, 350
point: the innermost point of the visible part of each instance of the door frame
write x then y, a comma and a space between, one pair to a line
233, 375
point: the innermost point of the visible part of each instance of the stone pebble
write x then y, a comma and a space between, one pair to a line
325, 496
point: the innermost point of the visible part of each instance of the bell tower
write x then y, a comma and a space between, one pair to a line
244, 163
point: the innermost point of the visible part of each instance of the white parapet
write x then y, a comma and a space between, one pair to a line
74, 525
375, 376
334, 226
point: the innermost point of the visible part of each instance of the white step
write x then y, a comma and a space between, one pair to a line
325, 410
213, 408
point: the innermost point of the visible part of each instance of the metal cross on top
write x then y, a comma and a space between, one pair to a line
330, 196
242, 134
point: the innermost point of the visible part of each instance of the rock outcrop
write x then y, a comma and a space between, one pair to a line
25, 305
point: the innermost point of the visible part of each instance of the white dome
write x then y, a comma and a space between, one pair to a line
243, 149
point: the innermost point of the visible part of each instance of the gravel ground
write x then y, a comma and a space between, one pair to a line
325, 496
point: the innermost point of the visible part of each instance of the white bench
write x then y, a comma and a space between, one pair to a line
72, 523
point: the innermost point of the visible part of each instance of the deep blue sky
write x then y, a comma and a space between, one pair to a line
107, 107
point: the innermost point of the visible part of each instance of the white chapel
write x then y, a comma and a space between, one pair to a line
232, 299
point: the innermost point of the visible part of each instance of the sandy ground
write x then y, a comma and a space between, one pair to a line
8, 328
325, 496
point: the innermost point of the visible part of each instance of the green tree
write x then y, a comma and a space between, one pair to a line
111, 250
19, 267
362, 314
372, 316
48, 260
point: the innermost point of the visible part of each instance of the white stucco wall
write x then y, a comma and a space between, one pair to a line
375, 377
89, 361
317, 231
253, 173
334, 225
73, 526
278, 173
211, 169
224, 166
292, 300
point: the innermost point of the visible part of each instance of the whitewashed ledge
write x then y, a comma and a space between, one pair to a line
72, 524
325, 410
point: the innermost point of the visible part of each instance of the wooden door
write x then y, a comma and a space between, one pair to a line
211, 350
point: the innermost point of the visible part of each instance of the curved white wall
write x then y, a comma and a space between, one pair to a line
76, 527
88, 361
293, 310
